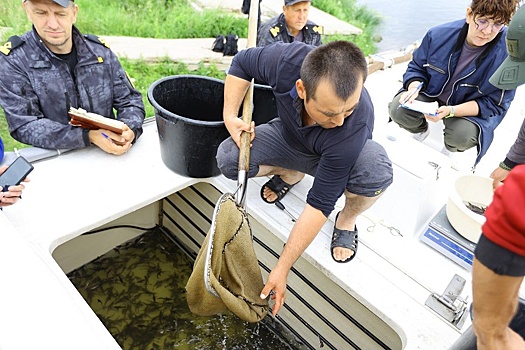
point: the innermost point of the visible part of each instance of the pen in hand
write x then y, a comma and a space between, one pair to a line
119, 142
416, 90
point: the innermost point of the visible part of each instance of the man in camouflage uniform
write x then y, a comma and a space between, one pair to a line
54, 67
291, 25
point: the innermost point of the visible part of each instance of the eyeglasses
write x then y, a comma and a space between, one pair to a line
482, 24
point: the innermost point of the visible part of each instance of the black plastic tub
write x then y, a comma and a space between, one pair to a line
188, 112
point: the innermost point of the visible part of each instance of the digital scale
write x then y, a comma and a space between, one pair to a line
441, 236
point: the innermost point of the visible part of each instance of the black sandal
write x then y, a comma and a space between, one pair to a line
344, 239
277, 186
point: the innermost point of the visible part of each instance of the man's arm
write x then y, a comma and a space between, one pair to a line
127, 101
303, 233
515, 156
22, 107
247, 64
495, 301
234, 92
26, 122
264, 36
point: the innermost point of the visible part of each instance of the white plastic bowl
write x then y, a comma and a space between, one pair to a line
476, 190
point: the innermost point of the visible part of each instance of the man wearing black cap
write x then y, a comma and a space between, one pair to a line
291, 25
54, 67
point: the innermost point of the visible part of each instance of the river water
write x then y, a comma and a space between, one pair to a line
406, 21
138, 292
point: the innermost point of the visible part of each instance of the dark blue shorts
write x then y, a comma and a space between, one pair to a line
500, 260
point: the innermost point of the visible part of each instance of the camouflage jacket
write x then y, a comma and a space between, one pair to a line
275, 30
37, 89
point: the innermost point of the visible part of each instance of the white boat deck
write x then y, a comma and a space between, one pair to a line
84, 189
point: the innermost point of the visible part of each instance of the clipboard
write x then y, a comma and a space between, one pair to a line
80, 117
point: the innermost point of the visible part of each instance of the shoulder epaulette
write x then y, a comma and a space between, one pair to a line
12, 43
315, 29
96, 39
274, 31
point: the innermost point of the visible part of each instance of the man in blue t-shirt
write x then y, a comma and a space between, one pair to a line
324, 129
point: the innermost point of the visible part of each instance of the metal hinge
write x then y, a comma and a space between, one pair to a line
450, 305
437, 167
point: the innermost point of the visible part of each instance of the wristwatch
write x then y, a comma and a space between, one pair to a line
451, 114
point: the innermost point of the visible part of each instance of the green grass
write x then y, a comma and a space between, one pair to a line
174, 19
144, 74
359, 16
9, 142
169, 19
12, 18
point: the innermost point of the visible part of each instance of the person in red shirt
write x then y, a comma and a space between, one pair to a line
499, 266
497, 272
499, 259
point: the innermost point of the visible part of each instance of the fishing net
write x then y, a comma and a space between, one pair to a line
228, 265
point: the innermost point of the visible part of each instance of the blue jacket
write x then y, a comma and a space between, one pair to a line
434, 63
37, 89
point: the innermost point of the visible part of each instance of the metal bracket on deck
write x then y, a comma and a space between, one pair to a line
450, 305
437, 167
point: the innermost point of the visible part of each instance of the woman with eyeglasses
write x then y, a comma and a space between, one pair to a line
452, 66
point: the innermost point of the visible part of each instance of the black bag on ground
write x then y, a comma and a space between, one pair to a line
230, 48
218, 44
246, 6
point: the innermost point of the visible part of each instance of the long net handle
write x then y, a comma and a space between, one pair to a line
247, 108
380, 65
